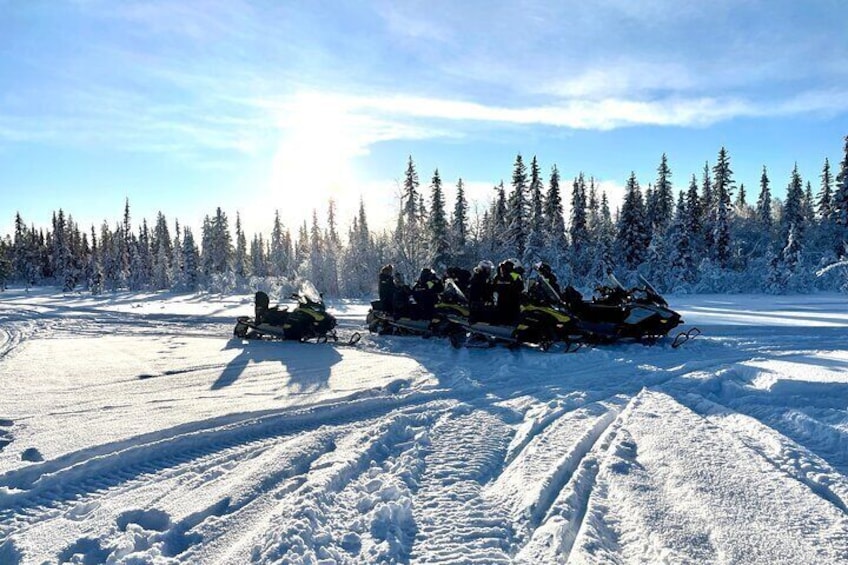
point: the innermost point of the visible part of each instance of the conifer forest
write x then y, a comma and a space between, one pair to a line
698, 232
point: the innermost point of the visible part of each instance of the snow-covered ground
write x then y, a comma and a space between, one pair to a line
134, 429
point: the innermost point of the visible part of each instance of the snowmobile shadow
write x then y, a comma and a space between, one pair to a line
308, 365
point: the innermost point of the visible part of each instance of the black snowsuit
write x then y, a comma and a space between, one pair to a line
387, 293
508, 286
425, 293
480, 296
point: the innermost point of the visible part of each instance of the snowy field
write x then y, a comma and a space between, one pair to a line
134, 429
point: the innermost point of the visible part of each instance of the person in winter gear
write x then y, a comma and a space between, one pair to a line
401, 296
480, 292
460, 277
548, 274
426, 291
508, 285
386, 286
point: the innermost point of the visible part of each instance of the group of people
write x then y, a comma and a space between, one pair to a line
493, 295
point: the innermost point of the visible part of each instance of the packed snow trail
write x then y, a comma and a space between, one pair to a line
134, 429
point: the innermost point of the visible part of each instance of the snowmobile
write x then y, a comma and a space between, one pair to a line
616, 313
308, 321
543, 320
451, 310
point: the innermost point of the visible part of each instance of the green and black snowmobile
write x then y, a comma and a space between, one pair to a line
309, 320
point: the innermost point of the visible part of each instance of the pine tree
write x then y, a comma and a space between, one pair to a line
162, 252
763, 211
694, 216
536, 235
708, 207
578, 228
240, 266
332, 252
191, 263
517, 210
554, 219
723, 189
459, 223
793, 212
632, 239
279, 259
410, 196
316, 254
439, 237
663, 198
258, 261
741, 204
825, 196
682, 262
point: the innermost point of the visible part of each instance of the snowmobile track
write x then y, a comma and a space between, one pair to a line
55, 484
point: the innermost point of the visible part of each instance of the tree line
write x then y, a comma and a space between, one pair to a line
705, 236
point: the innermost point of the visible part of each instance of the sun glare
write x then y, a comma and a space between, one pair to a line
314, 160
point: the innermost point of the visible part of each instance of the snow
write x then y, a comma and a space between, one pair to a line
135, 429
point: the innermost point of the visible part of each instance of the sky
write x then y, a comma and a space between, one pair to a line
256, 106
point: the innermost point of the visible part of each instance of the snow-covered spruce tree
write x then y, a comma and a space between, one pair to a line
359, 260
459, 226
497, 226
824, 201
258, 259
439, 241
722, 189
578, 229
536, 219
556, 243
302, 252
95, 266
793, 213
602, 251
177, 258
788, 272
410, 242
632, 237
332, 253
222, 244
694, 219
5, 262
240, 263
162, 252
315, 272
410, 197
191, 274
763, 209
278, 260
517, 231
708, 208
681, 263
663, 198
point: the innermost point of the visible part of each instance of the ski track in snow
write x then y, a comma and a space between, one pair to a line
618, 454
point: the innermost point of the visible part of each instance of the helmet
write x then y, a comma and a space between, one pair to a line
427, 274
387, 269
506, 266
543, 269
485, 266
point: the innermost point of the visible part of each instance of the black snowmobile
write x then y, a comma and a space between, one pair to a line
542, 321
616, 313
308, 321
450, 310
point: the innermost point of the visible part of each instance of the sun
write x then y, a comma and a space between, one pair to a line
313, 163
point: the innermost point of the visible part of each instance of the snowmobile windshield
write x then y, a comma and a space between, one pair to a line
309, 293
651, 291
547, 290
452, 292
614, 282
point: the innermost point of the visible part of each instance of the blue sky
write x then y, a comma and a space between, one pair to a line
252, 106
